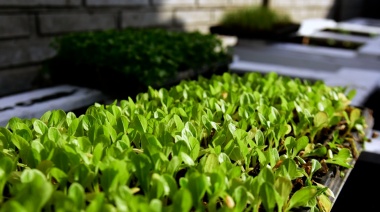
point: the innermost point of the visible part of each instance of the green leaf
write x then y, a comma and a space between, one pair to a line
38, 151
82, 174
178, 122
194, 148
57, 118
151, 144
5, 137
211, 164
54, 134
283, 186
319, 152
355, 115
186, 159
241, 198
13, 205
40, 127
181, 146
302, 197
267, 175
19, 142
159, 186
289, 168
143, 166
267, 194
324, 203
108, 179
141, 123
321, 119
58, 175
182, 200
122, 124
97, 204
197, 185
301, 143
171, 182
173, 165
97, 153
315, 166
342, 158
77, 194
155, 205
76, 128
34, 191
6, 167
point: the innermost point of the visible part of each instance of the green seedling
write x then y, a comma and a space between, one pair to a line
249, 142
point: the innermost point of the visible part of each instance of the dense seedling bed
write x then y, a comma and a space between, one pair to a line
254, 18
230, 143
127, 61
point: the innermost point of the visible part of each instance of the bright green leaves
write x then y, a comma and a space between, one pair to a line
302, 197
211, 163
140, 123
354, 118
33, 192
143, 166
40, 127
6, 167
252, 18
198, 146
57, 119
77, 194
283, 186
320, 121
116, 173
198, 185
289, 169
54, 134
151, 61
240, 195
159, 187
268, 196
294, 146
182, 200
81, 174
343, 158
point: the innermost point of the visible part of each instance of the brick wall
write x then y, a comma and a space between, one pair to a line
28, 26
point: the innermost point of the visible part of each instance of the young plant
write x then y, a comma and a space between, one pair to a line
127, 61
225, 143
254, 18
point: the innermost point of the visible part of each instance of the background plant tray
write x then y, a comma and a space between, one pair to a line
349, 32
324, 42
118, 85
276, 33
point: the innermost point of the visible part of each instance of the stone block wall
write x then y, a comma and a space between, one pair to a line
28, 26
